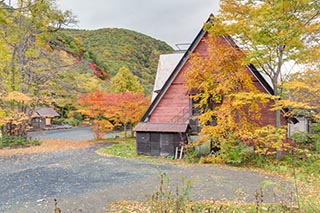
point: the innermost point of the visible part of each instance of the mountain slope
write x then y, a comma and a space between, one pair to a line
112, 48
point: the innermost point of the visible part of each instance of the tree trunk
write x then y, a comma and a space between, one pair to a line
276, 93
13, 69
131, 128
279, 155
125, 130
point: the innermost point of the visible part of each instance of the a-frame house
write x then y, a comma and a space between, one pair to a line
168, 121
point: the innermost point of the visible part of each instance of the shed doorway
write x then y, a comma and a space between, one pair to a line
48, 121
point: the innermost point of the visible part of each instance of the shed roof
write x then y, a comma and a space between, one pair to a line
161, 127
47, 112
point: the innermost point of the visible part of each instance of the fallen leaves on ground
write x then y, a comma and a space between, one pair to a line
204, 206
128, 206
47, 146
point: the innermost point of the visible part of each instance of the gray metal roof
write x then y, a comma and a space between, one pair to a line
166, 65
161, 127
47, 112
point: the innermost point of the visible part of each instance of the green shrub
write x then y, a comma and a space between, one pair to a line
234, 152
190, 155
304, 140
316, 129
6, 141
73, 121
306, 152
75, 115
58, 121
229, 151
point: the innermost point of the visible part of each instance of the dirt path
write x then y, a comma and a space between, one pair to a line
49, 145
83, 181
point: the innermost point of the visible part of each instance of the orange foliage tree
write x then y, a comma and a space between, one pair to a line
93, 105
126, 108
121, 108
100, 127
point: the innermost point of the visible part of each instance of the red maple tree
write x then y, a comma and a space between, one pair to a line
121, 108
126, 108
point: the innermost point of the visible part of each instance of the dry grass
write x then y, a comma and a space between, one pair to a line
47, 146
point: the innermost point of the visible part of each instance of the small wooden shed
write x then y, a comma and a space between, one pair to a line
43, 117
160, 139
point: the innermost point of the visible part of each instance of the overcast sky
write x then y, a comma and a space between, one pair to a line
172, 21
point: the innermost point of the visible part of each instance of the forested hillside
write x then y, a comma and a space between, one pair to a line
42, 64
111, 48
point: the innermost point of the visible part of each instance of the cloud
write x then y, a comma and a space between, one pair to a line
174, 21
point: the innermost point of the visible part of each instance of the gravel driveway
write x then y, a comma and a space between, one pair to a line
80, 133
83, 181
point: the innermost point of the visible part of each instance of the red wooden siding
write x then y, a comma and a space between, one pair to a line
268, 117
176, 99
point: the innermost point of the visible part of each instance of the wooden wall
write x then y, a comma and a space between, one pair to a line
157, 143
268, 117
176, 99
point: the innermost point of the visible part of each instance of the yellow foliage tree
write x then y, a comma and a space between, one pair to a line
228, 100
27, 65
15, 117
303, 94
2, 117
125, 81
266, 140
272, 33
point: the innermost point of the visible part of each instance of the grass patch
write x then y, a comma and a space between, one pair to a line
124, 147
115, 140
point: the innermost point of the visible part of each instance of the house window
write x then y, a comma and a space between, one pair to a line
195, 110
